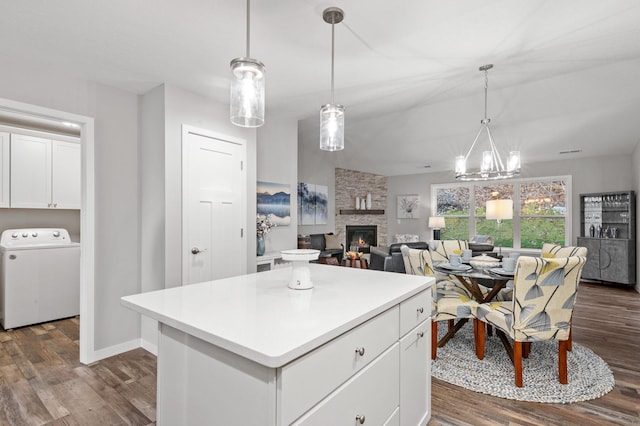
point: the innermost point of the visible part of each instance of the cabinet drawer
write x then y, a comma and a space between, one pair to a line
305, 381
415, 310
372, 393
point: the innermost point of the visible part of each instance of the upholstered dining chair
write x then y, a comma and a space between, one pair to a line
442, 249
544, 294
449, 301
550, 251
554, 250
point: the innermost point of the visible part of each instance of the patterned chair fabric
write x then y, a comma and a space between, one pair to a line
543, 298
554, 250
450, 300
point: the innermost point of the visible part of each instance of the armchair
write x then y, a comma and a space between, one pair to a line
543, 299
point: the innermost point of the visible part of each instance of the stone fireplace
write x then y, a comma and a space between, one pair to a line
361, 237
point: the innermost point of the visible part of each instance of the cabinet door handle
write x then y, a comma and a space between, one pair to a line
360, 419
360, 351
420, 310
420, 334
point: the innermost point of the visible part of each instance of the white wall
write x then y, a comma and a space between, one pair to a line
41, 218
277, 151
182, 107
152, 202
317, 167
115, 113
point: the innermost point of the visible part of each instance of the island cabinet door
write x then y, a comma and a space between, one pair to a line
415, 375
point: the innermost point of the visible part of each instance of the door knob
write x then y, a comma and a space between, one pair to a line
195, 250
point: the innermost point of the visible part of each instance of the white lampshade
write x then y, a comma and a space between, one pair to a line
332, 127
247, 92
436, 222
499, 209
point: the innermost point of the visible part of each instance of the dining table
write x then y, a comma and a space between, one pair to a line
471, 277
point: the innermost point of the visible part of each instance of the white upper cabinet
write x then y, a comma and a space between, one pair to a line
4, 169
45, 173
65, 175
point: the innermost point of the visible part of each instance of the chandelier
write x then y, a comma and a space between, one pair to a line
491, 165
247, 88
332, 115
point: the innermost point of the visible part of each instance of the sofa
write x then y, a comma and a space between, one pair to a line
333, 249
390, 258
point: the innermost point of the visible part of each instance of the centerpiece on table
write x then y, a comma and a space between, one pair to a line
263, 227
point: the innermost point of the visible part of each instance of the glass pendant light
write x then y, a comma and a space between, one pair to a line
247, 88
491, 166
332, 115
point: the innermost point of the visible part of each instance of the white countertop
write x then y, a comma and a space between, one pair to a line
258, 317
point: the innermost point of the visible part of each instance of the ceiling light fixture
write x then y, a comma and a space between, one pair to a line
332, 115
491, 166
247, 88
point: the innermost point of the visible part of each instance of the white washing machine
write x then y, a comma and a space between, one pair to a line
39, 276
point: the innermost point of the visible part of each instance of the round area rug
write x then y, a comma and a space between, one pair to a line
589, 376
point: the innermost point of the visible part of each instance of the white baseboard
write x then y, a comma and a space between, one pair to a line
116, 349
148, 346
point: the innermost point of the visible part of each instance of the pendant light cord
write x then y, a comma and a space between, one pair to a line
248, 26
486, 85
333, 19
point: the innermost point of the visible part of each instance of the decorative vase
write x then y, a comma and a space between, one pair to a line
260, 246
369, 201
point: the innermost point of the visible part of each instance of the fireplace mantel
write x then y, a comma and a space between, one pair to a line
361, 211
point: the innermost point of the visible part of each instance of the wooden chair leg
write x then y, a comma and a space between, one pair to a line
434, 339
562, 361
517, 362
570, 341
480, 336
526, 348
451, 323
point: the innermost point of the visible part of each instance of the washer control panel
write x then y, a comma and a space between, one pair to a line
34, 236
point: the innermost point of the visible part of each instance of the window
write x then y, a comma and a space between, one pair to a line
541, 211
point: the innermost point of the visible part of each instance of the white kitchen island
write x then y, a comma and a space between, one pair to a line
248, 350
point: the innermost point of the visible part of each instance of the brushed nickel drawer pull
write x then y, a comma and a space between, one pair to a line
360, 419
360, 351
421, 334
420, 310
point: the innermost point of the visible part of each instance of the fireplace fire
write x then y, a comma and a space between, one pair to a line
361, 237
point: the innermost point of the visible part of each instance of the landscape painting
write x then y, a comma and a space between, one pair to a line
306, 203
274, 200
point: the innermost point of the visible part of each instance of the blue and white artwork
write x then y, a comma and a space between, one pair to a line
312, 204
274, 200
306, 203
322, 194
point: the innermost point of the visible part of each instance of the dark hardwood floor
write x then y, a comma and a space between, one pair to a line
43, 383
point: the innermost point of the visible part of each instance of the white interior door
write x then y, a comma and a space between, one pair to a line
214, 206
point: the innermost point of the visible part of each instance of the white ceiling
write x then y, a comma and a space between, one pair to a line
566, 72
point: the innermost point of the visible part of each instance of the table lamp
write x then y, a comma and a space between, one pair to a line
437, 223
499, 210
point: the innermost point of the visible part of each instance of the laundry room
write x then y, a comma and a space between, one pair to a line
40, 200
